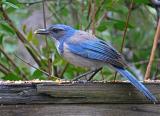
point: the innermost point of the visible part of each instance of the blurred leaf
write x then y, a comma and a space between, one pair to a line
35, 41
142, 1
11, 77
117, 6
37, 75
10, 4
24, 28
64, 12
7, 28
1, 39
29, 35
103, 26
116, 42
118, 24
121, 25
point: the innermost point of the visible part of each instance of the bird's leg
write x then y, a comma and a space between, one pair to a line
95, 72
89, 72
82, 75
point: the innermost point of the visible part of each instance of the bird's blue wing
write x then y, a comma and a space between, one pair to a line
96, 49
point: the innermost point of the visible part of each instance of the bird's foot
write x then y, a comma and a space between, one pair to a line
93, 73
82, 75
80, 81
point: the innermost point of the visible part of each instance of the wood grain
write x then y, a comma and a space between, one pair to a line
80, 110
47, 93
76, 99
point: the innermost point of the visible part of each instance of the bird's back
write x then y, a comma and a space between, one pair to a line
88, 46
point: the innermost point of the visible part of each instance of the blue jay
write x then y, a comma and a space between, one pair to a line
86, 50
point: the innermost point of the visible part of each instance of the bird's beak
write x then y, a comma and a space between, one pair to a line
42, 31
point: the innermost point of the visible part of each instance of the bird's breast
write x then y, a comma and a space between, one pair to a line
79, 60
59, 47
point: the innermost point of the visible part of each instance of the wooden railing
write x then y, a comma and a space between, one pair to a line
76, 99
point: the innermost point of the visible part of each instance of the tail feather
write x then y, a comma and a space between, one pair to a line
136, 83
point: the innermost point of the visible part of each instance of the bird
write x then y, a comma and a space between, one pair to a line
83, 49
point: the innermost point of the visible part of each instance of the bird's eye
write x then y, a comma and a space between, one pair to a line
55, 30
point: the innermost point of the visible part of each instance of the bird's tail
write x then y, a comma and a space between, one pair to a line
136, 83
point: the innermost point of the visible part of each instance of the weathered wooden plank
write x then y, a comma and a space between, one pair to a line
97, 92
81, 110
43, 93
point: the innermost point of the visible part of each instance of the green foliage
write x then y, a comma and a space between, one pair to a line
6, 28
37, 75
1, 39
11, 76
110, 21
9, 4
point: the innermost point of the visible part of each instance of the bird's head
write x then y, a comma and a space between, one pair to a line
57, 31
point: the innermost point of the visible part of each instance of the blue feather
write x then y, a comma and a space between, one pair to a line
136, 83
97, 50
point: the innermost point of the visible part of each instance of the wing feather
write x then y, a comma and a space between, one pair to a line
96, 49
